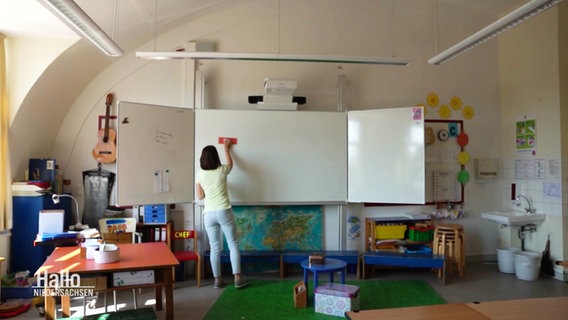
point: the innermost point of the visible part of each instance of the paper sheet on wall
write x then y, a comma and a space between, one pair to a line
525, 135
530, 169
161, 180
446, 186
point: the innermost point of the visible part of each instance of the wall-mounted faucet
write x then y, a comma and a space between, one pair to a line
530, 209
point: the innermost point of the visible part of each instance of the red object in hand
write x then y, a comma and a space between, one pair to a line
222, 140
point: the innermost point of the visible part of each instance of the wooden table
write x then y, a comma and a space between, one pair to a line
537, 308
439, 311
133, 256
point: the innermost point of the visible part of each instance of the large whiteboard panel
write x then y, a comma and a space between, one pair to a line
386, 155
154, 154
281, 156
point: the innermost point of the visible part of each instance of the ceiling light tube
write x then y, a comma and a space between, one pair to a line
200, 55
512, 19
74, 17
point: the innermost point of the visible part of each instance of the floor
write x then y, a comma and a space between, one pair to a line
482, 282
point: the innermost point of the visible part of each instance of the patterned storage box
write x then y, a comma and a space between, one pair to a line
335, 299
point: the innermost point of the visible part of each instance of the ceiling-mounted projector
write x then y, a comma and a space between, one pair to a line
278, 95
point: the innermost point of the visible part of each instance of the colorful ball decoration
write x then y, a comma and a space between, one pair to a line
463, 139
463, 177
463, 158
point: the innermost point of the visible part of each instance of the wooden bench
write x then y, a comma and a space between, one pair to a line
352, 257
412, 260
254, 256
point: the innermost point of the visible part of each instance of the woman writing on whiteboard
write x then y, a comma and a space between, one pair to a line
211, 185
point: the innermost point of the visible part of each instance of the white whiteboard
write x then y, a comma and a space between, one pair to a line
280, 156
386, 156
154, 154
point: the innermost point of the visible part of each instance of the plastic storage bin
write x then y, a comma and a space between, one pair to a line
506, 259
420, 233
527, 265
390, 231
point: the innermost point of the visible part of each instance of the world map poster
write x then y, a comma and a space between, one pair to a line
279, 227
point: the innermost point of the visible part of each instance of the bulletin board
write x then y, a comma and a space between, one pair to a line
442, 157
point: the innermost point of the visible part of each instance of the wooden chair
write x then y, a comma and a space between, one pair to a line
117, 230
187, 254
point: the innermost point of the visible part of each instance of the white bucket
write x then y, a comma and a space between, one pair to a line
506, 259
527, 265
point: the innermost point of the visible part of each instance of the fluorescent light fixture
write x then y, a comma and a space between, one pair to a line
512, 19
200, 55
74, 17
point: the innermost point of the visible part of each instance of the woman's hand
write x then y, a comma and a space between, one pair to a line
228, 143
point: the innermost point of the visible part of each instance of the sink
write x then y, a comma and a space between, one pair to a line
514, 218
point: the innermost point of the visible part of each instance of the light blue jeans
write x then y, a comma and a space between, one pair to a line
215, 222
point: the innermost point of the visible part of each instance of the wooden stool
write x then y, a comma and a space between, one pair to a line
449, 241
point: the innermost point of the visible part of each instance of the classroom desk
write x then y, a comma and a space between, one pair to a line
536, 308
554, 308
439, 311
133, 256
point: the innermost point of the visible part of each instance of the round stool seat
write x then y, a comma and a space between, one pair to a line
450, 226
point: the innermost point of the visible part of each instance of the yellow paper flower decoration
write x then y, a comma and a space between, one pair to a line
445, 112
456, 103
433, 99
468, 112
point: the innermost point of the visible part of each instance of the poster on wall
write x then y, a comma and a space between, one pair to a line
525, 136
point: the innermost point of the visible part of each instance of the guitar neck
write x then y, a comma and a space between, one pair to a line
107, 116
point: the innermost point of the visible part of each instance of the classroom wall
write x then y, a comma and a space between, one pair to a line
23, 52
228, 84
363, 27
530, 87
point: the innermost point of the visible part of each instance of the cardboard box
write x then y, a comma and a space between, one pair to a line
42, 170
335, 299
129, 278
300, 295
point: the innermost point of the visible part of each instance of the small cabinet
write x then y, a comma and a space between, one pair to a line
24, 255
387, 233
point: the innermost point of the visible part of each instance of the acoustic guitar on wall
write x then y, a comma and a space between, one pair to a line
105, 150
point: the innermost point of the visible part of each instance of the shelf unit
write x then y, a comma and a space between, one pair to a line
372, 223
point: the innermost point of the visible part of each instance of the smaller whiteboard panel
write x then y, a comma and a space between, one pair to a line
280, 156
386, 156
154, 154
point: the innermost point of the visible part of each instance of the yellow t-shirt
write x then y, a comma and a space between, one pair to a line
214, 183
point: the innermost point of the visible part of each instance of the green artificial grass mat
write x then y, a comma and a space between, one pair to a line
263, 299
